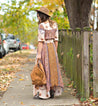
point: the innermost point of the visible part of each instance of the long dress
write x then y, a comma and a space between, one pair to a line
49, 58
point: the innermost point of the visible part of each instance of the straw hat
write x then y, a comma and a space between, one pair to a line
44, 10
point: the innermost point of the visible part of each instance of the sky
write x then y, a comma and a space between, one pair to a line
7, 2
3, 1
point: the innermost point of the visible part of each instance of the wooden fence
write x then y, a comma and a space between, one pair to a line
74, 55
95, 64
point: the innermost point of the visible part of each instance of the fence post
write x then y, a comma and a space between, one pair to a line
95, 64
85, 65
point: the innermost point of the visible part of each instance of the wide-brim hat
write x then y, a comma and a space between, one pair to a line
44, 10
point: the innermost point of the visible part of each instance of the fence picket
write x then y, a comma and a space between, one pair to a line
85, 65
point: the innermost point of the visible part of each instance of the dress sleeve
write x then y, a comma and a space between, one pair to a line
41, 33
56, 34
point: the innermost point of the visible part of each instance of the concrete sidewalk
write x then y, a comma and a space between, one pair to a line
20, 93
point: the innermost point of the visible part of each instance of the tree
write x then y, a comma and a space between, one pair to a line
78, 12
94, 15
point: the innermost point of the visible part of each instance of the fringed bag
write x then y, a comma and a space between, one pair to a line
38, 74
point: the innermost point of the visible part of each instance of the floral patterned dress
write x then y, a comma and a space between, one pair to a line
49, 58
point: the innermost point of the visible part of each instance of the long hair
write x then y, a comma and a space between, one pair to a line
44, 17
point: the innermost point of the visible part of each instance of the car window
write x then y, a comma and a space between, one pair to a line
24, 45
10, 37
18, 39
3, 36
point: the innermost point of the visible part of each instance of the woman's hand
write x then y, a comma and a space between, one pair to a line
40, 44
56, 44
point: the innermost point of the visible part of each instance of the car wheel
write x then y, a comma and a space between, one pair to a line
1, 55
18, 48
4, 53
15, 50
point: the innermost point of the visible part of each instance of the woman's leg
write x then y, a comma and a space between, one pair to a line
51, 92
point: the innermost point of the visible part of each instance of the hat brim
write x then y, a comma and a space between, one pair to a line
42, 12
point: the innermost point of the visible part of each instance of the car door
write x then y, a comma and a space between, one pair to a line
1, 47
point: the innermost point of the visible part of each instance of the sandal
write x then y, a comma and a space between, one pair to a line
36, 96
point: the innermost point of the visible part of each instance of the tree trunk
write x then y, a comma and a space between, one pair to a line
78, 12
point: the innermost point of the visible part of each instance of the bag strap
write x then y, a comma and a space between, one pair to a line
40, 65
38, 61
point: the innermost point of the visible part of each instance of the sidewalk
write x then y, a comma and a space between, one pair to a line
20, 93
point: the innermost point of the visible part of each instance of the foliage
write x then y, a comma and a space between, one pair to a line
70, 53
16, 17
57, 11
82, 99
51, 4
10, 65
61, 20
16, 21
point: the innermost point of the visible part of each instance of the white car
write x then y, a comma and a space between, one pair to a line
5, 43
12, 42
6, 46
2, 51
31, 46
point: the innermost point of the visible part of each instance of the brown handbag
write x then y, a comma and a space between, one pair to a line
38, 74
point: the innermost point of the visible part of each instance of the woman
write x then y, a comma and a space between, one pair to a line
47, 54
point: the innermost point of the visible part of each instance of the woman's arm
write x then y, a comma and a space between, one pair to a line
56, 44
41, 39
40, 44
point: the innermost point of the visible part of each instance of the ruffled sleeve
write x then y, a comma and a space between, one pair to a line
41, 33
56, 34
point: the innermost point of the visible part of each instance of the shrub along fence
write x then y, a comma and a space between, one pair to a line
74, 55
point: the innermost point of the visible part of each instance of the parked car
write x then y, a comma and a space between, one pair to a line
2, 51
5, 43
31, 46
24, 46
13, 44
